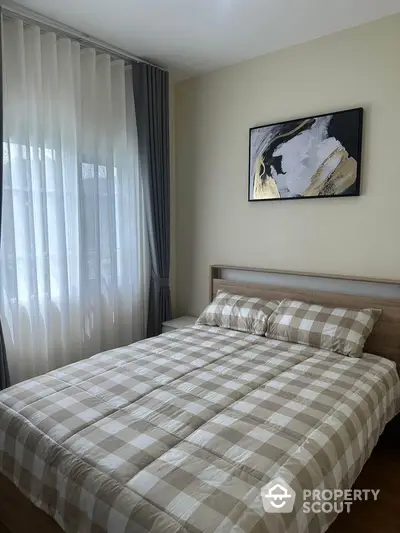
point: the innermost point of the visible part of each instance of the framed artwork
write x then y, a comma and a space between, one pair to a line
312, 157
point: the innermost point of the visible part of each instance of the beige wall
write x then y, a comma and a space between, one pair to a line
214, 221
173, 212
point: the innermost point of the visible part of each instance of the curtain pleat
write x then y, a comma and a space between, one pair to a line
151, 94
74, 258
4, 371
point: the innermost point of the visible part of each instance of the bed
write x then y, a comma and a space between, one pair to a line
179, 433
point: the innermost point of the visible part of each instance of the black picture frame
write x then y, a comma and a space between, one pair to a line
345, 127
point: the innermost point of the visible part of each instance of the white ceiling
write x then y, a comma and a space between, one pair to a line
196, 36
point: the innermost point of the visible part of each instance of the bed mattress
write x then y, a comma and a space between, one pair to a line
178, 434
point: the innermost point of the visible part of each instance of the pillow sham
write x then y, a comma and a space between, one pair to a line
240, 313
343, 331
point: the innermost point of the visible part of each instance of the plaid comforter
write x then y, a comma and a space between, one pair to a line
178, 434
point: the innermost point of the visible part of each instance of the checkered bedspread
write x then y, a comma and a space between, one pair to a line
177, 434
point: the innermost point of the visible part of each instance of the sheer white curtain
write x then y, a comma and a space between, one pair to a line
73, 253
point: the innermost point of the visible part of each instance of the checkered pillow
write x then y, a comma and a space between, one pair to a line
241, 313
344, 331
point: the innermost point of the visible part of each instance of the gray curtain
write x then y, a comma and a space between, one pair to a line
4, 373
151, 94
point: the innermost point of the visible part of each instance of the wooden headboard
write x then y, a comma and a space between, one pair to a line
332, 291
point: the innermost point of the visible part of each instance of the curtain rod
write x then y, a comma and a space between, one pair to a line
12, 10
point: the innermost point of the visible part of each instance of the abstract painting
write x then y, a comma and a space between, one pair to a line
311, 157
